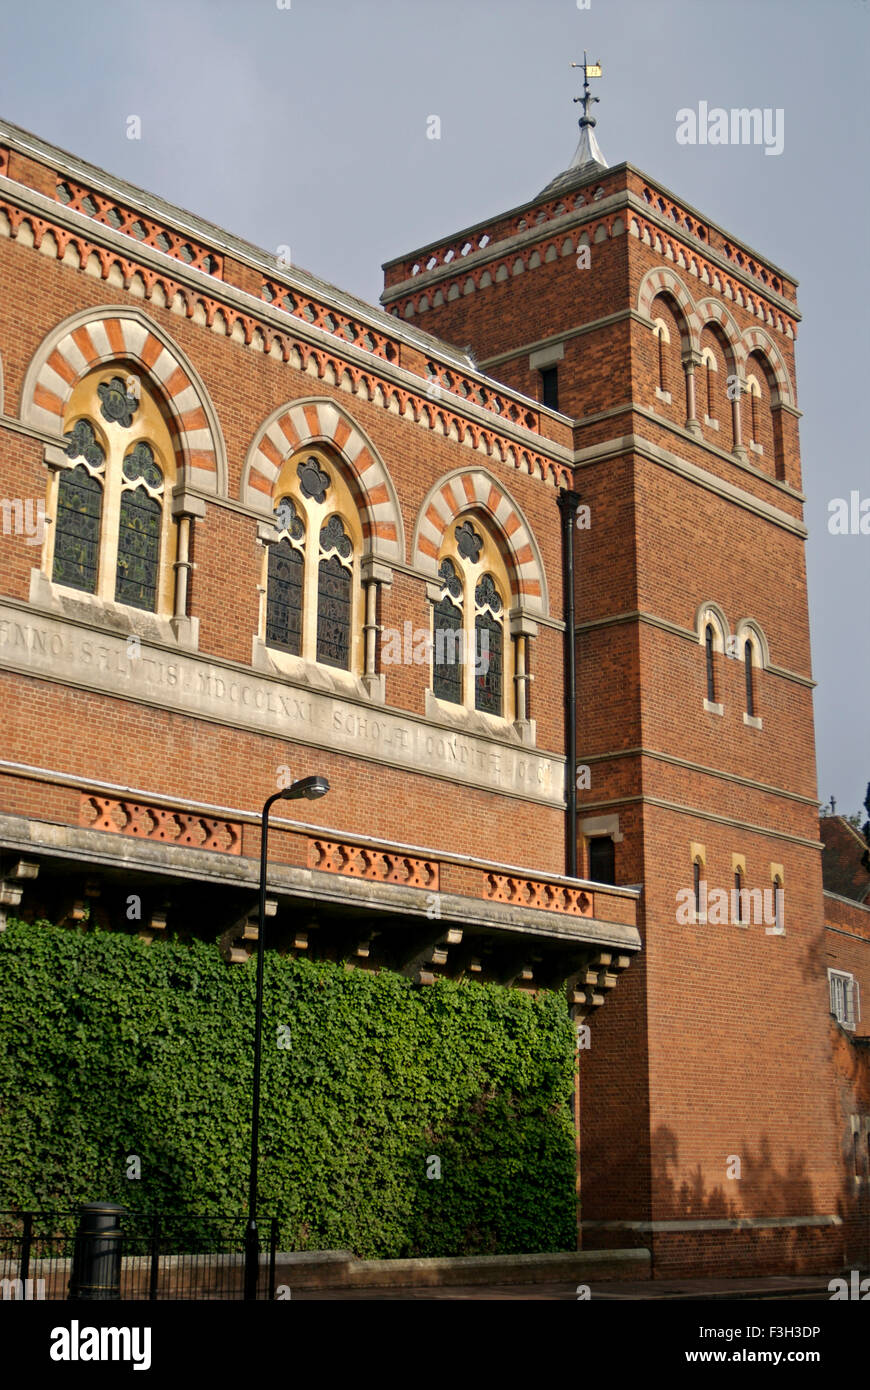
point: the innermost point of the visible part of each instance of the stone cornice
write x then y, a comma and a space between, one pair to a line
604, 211
253, 817
293, 329
654, 453
642, 752
696, 813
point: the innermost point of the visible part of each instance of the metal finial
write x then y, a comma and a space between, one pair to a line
589, 70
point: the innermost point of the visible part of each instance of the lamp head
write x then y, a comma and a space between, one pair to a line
309, 788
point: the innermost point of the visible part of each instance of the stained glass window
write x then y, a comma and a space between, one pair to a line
139, 522
488, 648
284, 598
77, 529
138, 549
448, 639
334, 592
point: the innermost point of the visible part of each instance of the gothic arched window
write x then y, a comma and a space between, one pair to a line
141, 509
286, 581
488, 647
750, 692
113, 534
448, 634
334, 588
79, 511
312, 571
472, 661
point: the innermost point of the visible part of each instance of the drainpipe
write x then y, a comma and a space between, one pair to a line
568, 504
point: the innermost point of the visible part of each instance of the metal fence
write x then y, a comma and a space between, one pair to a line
163, 1256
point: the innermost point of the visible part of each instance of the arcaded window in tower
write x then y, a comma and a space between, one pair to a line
750, 689
709, 648
312, 607
113, 535
472, 657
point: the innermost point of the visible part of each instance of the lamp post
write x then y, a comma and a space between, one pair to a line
308, 788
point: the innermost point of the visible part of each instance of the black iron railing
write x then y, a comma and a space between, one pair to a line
163, 1256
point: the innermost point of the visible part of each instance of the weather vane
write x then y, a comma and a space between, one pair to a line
589, 70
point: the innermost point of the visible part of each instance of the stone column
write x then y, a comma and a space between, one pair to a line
373, 572
691, 360
186, 507
522, 628
739, 449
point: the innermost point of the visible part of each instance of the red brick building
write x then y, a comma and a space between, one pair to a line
253, 525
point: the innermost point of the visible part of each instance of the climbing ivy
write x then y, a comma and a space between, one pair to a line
110, 1048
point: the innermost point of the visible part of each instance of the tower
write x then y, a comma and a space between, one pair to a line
669, 344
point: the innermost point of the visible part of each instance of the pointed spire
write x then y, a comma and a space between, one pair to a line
587, 156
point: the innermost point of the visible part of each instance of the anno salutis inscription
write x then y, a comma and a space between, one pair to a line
62, 651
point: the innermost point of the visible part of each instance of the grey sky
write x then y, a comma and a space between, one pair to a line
306, 126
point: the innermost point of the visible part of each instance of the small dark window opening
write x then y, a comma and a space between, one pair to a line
711, 677
602, 859
662, 378
856, 1140
750, 693
696, 885
550, 388
741, 902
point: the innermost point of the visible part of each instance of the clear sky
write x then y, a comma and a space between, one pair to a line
303, 123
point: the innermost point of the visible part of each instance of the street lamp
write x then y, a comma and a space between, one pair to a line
309, 789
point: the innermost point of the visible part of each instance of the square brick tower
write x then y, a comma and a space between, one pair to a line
707, 1110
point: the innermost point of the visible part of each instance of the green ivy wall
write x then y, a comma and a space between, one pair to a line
110, 1048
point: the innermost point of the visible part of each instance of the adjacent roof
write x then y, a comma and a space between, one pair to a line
845, 859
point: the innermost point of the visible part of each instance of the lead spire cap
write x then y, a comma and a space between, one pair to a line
587, 156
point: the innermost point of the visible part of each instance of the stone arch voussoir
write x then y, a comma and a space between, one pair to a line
470, 488
318, 420
107, 334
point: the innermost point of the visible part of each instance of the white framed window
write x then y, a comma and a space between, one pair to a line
845, 998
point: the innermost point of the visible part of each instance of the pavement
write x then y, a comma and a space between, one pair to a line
812, 1288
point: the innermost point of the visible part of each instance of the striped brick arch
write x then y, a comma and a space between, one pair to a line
111, 335
473, 488
321, 421
664, 281
756, 340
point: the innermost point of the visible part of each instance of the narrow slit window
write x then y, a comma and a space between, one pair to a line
711, 674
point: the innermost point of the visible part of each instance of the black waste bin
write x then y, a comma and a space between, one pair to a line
96, 1268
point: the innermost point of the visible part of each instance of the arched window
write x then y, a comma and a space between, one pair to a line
79, 510
709, 379
660, 329
138, 569
696, 885
114, 536
747, 666
286, 581
334, 583
488, 647
448, 634
711, 674
472, 660
312, 570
